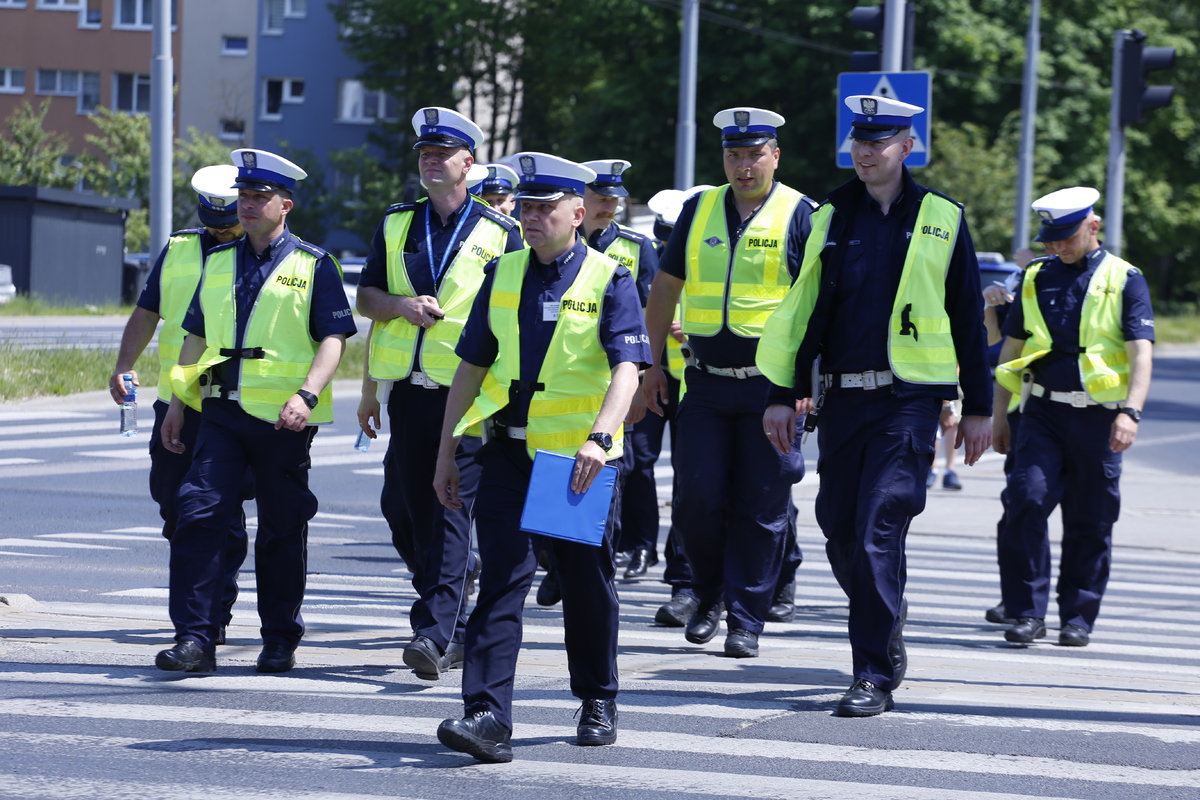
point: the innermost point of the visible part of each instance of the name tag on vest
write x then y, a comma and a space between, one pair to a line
549, 312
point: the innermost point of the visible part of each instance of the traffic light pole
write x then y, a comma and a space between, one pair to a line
685, 119
162, 133
1029, 92
1114, 199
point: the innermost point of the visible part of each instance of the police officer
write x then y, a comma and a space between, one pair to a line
637, 546
418, 283
497, 189
267, 327
1078, 350
889, 298
166, 295
733, 254
550, 359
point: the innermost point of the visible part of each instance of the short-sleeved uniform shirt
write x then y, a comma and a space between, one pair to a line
428, 251
622, 326
725, 348
329, 311
1061, 289
647, 257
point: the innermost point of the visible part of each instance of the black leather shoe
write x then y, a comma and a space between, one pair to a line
220, 636
453, 657
425, 658
549, 592
704, 623
478, 735
864, 699
1026, 630
741, 643
643, 558
998, 615
896, 650
621, 558
597, 723
676, 612
783, 607
276, 657
187, 656
1071, 635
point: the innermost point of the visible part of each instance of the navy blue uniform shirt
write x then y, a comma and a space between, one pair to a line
622, 324
841, 311
647, 256
151, 297
727, 349
420, 260
329, 311
1061, 289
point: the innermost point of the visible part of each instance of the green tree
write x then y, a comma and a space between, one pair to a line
32, 156
365, 190
197, 151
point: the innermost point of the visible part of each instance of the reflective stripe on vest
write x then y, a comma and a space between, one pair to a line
178, 279
1104, 362
278, 324
393, 342
675, 363
921, 351
625, 252
575, 371
741, 288
920, 344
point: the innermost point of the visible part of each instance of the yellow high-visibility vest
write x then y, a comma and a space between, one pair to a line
1103, 360
575, 374
177, 283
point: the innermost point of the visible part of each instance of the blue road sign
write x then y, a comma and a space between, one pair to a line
910, 87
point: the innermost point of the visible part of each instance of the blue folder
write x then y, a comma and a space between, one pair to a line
552, 509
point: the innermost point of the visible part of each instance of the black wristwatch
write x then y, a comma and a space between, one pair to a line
309, 398
1134, 414
602, 439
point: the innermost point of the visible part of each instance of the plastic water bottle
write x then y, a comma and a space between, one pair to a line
363, 443
129, 407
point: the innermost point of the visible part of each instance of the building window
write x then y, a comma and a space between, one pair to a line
235, 46
61, 5
276, 11
140, 14
63, 83
358, 104
277, 91
58, 81
233, 130
91, 15
12, 3
12, 80
132, 93
89, 96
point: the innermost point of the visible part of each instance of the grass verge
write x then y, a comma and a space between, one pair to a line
62, 371
24, 305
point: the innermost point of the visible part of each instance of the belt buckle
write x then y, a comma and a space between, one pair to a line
740, 373
868, 378
1079, 399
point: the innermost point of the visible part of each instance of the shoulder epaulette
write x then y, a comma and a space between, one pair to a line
189, 232
224, 246
630, 234
402, 207
812, 203
310, 248
944, 197
506, 222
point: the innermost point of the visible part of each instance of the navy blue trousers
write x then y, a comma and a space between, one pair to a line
733, 487
167, 471
639, 499
876, 451
1063, 459
434, 541
1010, 464
590, 608
210, 503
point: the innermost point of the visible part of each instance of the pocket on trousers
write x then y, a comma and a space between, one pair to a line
922, 448
1112, 470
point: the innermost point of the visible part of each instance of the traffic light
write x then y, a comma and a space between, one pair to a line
1135, 62
867, 18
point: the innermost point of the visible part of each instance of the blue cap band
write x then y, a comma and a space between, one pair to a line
228, 208
266, 175
549, 184
734, 129
447, 131
1069, 219
496, 184
603, 180
882, 119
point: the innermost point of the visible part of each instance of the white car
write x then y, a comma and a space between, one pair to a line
7, 290
351, 271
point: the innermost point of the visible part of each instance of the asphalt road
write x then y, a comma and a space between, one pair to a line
83, 712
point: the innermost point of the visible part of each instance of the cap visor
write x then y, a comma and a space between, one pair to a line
1049, 234
211, 219
257, 185
440, 140
540, 195
748, 141
873, 134
611, 190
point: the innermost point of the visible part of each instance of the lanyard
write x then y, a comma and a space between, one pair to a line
434, 270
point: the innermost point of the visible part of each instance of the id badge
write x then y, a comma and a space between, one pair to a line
550, 312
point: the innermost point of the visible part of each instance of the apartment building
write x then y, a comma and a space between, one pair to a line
217, 65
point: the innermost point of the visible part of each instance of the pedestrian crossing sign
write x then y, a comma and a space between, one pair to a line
910, 87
